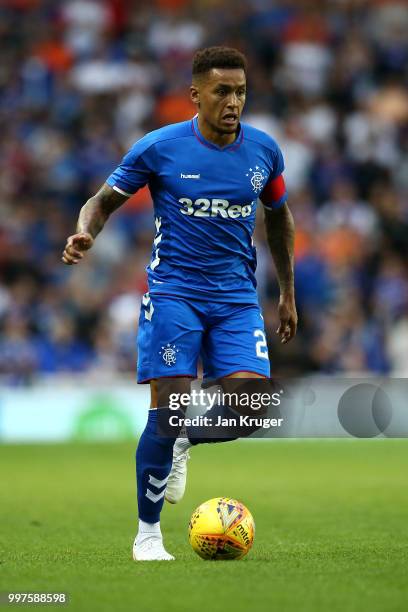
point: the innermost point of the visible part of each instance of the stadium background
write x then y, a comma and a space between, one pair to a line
80, 80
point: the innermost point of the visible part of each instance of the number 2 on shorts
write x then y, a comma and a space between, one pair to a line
261, 346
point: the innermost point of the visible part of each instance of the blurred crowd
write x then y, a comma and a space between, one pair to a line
81, 80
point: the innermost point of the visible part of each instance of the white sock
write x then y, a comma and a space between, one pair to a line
183, 444
146, 530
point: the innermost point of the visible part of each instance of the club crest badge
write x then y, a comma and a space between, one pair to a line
169, 354
257, 178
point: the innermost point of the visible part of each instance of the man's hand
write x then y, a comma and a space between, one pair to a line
93, 216
75, 248
288, 318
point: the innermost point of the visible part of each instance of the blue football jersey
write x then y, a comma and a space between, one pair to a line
205, 199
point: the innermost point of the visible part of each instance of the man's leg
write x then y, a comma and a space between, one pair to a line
169, 341
200, 434
234, 348
154, 458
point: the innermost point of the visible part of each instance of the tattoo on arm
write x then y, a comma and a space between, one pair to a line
97, 210
280, 232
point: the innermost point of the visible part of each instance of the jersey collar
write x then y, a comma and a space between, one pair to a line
212, 145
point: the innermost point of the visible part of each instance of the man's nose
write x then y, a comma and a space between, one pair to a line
233, 100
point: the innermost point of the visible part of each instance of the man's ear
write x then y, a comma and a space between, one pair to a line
195, 95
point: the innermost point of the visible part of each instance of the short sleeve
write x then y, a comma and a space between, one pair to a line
134, 170
274, 194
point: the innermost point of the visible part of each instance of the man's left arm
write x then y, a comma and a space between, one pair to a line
280, 232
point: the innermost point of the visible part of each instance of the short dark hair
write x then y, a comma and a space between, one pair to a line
218, 57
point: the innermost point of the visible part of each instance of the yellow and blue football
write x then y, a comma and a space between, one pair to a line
221, 528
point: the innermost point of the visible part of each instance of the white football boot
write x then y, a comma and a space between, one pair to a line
176, 483
149, 547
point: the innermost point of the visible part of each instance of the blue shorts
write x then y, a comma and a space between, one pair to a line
175, 332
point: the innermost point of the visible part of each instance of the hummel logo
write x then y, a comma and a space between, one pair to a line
189, 176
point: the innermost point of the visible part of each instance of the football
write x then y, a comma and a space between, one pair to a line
221, 528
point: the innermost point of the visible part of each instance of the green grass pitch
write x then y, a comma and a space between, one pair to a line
331, 527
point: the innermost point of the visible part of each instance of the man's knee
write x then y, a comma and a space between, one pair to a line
169, 392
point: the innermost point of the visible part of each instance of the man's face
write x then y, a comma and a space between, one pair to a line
220, 96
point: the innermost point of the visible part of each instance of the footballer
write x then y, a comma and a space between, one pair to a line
206, 176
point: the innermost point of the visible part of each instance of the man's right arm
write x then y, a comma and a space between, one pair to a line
92, 218
98, 209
